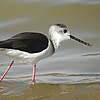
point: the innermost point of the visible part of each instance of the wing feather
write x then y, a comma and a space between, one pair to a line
27, 41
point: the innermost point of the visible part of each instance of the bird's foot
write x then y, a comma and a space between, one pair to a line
31, 83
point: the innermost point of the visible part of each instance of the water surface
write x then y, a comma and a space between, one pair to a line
73, 64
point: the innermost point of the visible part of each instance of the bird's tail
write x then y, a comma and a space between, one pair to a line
1, 44
2, 47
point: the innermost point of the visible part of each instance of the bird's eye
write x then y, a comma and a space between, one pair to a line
65, 31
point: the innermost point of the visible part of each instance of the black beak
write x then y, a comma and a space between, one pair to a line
81, 41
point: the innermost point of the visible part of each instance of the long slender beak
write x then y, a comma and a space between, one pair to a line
81, 41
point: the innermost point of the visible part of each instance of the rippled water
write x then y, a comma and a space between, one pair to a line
73, 63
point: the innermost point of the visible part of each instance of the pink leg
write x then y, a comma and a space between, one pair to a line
6, 71
33, 78
34, 70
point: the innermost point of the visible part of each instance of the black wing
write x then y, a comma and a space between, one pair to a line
27, 41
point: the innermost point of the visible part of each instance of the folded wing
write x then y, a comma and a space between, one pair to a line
27, 41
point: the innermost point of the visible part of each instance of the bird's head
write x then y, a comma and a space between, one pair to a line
61, 32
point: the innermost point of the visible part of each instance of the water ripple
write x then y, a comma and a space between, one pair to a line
64, 78
59, 2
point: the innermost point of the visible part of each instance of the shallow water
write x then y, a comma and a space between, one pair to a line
73, 63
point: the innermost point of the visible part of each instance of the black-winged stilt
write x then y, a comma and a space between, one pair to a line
30, 47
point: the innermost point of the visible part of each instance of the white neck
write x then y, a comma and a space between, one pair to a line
56, 39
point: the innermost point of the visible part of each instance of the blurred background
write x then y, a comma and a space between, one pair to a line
73, 62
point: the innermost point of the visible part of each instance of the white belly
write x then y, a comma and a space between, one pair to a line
28, 58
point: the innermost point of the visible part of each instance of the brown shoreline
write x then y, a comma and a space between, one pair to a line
87, 91
43, 91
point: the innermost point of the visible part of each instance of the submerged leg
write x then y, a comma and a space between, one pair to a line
6, 71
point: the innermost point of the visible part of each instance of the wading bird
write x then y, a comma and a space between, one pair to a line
31, 47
